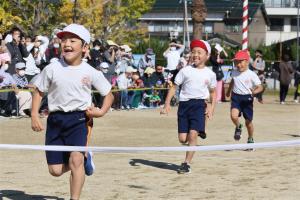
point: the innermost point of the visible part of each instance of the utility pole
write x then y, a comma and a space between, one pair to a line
186, 24
297, 47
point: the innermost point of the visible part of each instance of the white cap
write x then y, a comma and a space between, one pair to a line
77, 30
218, 47
111, 43
104, 65
130, 69
126, 48
20, 65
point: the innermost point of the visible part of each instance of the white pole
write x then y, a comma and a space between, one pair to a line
245, 25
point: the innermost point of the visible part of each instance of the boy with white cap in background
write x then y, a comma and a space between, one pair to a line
197, 84
68, 83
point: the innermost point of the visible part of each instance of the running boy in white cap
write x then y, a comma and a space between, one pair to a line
243, 86
68, 83
197, 83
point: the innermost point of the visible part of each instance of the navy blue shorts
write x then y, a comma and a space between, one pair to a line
244, 103
66, 129
191, 115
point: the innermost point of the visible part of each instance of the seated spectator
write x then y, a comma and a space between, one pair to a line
154, 99
24, 97
8, 100
137, 94
158, 81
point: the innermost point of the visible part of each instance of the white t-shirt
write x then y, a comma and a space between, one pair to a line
244, 81
195, 83
69, 87
173, 58
123, 81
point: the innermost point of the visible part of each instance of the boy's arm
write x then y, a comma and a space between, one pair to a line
36, 124
213, 98
96, 112
257, 89
171, 93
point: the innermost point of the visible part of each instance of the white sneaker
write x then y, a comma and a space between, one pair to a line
282, 102
296, 101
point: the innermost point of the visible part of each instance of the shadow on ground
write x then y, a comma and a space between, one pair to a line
157, 164
21, 195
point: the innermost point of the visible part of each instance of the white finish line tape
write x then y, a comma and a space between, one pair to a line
288, 143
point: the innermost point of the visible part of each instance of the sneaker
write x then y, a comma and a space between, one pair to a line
238, 132
184, 169
250, 141
296, 101
202, 135
89, 165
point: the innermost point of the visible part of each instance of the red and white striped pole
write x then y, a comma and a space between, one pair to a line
245, 25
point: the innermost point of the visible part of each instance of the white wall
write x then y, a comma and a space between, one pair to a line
277, 36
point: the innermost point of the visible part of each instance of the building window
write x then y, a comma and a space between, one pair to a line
208, 27
294, 24
276, 24
231, 28
280, 3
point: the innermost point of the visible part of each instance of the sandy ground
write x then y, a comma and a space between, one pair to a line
262, 174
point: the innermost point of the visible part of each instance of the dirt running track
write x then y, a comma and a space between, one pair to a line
262, 174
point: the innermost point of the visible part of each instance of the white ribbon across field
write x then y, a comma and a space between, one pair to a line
289, 143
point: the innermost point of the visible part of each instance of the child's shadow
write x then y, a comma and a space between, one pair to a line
21, 195
157, 164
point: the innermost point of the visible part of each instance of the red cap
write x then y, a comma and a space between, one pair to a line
202, 44
242, 55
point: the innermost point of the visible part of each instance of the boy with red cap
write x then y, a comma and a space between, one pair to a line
68, 83
243, 86
197, 83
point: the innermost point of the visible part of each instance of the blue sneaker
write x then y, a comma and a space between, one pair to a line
89, 165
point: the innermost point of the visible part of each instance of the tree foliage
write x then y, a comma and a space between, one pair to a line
32, 16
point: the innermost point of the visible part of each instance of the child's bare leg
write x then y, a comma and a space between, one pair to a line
76, 163
235, 116
250, 128
192, 141
58, 169
182, 137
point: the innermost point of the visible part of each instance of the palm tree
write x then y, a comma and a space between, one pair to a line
199, 13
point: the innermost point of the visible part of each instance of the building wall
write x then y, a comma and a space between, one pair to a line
257, 30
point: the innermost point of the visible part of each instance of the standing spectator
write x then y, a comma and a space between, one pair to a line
217, 61
31, 69
259, 67
16, 49
172, 54
96, 54
39, 50
285, 77
124, 82
146, 61
297, 84
54, 50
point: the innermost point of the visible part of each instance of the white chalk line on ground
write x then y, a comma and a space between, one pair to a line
273, 144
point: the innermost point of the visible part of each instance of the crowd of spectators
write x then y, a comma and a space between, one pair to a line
136, 85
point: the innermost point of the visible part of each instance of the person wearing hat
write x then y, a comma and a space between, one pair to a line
24, 97
242, 88
124, 82
68, 83
146, 61
198, 83
96, 54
